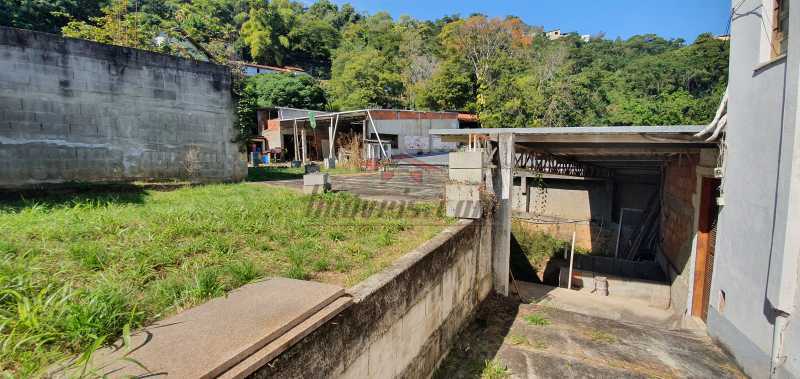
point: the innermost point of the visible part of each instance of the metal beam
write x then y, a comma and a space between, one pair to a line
550, 164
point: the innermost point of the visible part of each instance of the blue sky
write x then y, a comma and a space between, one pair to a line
624, 18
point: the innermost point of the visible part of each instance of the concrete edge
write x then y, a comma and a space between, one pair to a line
248, 351
372, 284
261, 357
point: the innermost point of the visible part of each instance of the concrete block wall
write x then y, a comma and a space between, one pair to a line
404, 319
77, 111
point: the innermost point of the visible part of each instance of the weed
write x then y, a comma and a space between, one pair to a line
493, 369
536, 319
518, 340
206, 285
7, 248
333, 235
89, 255
321, 264
539, 344
603, 337
386, 238
243, 272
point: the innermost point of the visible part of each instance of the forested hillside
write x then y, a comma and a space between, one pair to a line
503, 69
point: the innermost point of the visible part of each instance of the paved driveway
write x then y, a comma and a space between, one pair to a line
510, 339
424, 183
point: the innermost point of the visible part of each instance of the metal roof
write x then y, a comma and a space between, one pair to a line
659, 129
360, 112
633, 149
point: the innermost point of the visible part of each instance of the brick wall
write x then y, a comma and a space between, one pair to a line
77, 111
677, 215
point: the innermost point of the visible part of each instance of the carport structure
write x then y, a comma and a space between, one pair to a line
668, 161
383, 132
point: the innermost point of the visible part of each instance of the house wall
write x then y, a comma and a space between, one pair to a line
757, 241
77, 111
413, 136
404, 319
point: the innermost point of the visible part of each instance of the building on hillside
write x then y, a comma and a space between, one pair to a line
553, 34
586, 37
252, 69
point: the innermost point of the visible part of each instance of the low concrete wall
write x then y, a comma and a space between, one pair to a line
403, 319
78, 111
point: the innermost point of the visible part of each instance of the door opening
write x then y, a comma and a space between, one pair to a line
706, 243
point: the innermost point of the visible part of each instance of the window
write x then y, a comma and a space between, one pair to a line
780, 27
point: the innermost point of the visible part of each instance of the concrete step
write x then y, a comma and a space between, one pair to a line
618, 309
209, 340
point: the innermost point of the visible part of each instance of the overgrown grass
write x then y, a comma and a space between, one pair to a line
536, 320
270, 173
494, 369
538, 246
603, 337
77, 269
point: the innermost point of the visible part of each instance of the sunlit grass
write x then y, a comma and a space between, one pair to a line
77, 269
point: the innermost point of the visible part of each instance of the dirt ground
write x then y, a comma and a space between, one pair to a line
516, 340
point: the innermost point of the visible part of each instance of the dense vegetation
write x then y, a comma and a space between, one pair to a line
503, 69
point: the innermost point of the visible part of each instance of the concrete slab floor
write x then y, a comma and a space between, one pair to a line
414, 185
609, 307
515, 340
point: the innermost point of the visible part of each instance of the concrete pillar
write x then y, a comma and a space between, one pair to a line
503, 182
462, 192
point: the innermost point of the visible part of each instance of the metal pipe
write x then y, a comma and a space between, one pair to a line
619, 233
571, 260
372, 123
776, 357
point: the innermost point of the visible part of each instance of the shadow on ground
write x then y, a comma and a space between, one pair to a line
509, 338
521, 266
480, 341
266, 174
73, 194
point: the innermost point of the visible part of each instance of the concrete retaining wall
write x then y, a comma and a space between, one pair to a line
74, 110
404, 319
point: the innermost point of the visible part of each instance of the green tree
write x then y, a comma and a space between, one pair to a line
47, 16
364, 78
119, 26
266, 31
286, 90
452, 87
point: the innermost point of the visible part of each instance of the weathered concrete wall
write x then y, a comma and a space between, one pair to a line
74, 110
756, 260
404, 319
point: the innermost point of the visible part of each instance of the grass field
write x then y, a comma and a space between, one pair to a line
76, 270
